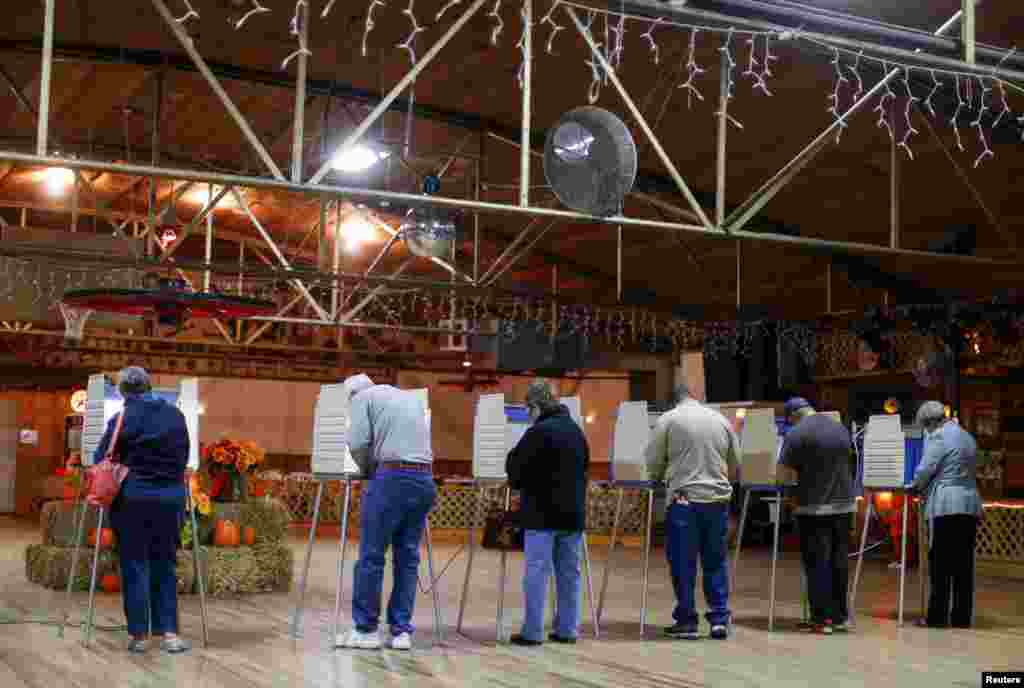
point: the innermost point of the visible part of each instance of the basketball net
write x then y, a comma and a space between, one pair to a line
74, 322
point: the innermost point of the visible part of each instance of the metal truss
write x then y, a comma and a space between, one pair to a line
693, 220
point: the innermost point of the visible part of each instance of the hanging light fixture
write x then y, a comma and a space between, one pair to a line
58, 179
357, 159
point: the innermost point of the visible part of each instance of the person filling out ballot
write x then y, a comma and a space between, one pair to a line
549, 466
390, 441
947, 478
693, 449
819, 457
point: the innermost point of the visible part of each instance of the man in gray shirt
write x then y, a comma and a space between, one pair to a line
819, 451
693, 449
390, 440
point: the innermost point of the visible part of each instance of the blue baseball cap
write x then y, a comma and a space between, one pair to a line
794, 405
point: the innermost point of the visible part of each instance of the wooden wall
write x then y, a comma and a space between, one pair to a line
45, 413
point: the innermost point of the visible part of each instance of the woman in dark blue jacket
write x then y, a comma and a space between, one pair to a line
154, 445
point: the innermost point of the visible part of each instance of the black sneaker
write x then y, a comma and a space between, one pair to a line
682, 631
719, 631
554, 637
525, 642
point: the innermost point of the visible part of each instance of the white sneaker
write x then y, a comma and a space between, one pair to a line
402, 641
359, 641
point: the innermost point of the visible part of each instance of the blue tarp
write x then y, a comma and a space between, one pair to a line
517, 414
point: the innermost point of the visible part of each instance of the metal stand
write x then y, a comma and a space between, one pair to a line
499, 633
777, 500
472, 550
611, 552
903, 554
342, 551
438, 621
91, 615
79, 529
300, 598
610, 562
198, 569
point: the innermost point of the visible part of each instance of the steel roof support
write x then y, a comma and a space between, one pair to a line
46, 72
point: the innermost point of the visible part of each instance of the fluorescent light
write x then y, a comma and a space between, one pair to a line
357, 159
58, 179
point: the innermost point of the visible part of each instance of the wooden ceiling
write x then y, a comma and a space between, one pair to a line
110, 55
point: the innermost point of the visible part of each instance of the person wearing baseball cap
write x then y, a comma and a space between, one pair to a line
819, 451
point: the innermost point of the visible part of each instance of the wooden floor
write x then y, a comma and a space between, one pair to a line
250, 646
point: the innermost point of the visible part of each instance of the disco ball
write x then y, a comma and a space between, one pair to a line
429, 232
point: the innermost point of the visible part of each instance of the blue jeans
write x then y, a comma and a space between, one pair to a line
545, 548
394, 514
699, 529
147, 520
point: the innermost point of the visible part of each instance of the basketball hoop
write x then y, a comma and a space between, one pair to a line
74, 322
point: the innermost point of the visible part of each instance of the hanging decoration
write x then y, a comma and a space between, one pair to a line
760, 72
521, 47
835, 96
297, 25
726, 50
368, 24
909, 130
409, 44
495, 14
693, 71
257, 8
190, 13
447, 6
555, 27
651, 43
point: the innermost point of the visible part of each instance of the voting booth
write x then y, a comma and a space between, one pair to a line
104, 402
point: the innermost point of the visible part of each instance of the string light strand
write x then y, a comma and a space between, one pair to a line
369, 24
594, 91
409, 44
936, 87
855, 70
521, 47
960, 105
694, 70
756, 70
910, 130
296, 30
986, 151
881, 109
555, 26
190, 13
726, 50
495, 14
651, 43
618, 44
447, 6
835, 97
1002, 89
257, 8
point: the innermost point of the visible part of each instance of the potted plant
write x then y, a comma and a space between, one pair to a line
229, 463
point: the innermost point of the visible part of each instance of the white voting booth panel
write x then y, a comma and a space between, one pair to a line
497, 429
759, 448
104, 402
884, 453
632, 433
331, 422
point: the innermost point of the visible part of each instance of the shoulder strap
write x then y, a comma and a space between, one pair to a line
114, 437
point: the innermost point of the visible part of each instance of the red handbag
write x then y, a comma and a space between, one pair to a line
105, 478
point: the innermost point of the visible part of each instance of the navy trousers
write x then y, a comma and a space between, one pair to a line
699, 530
394, 514
147, 519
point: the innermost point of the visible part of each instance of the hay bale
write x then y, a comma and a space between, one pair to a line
49, 566
261, 568
57, 522
270, 518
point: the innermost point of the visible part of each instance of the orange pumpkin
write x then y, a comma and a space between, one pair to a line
249, 535
111, 583
225, 534
106, 538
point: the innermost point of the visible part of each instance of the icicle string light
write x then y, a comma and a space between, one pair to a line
835, 97
555, 27
986, 151
960, 105
495, 13
618, 44
257, 8
759, 71
882, 109
726, 50
694, 70
1002, 90
651, 43
855, 71
910, 130
296, 30
521, 47
447, 6
594, 91
190, 13
409, 44
936, 87
369, 24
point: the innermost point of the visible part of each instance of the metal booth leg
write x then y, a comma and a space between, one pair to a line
590, 587
739, 536
469, 563
198, 569
903, 558
647, 560
775, 562
300, 596
500, 631
342, 551
438, 621
91, 616
79, 532
608, 565
860, 555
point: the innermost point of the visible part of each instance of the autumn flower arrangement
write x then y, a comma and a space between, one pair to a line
201, 505
229, 463
71, 473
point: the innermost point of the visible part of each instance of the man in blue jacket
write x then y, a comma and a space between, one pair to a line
549, 467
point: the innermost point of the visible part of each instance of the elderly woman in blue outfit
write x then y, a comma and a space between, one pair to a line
154, 445
946, 478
